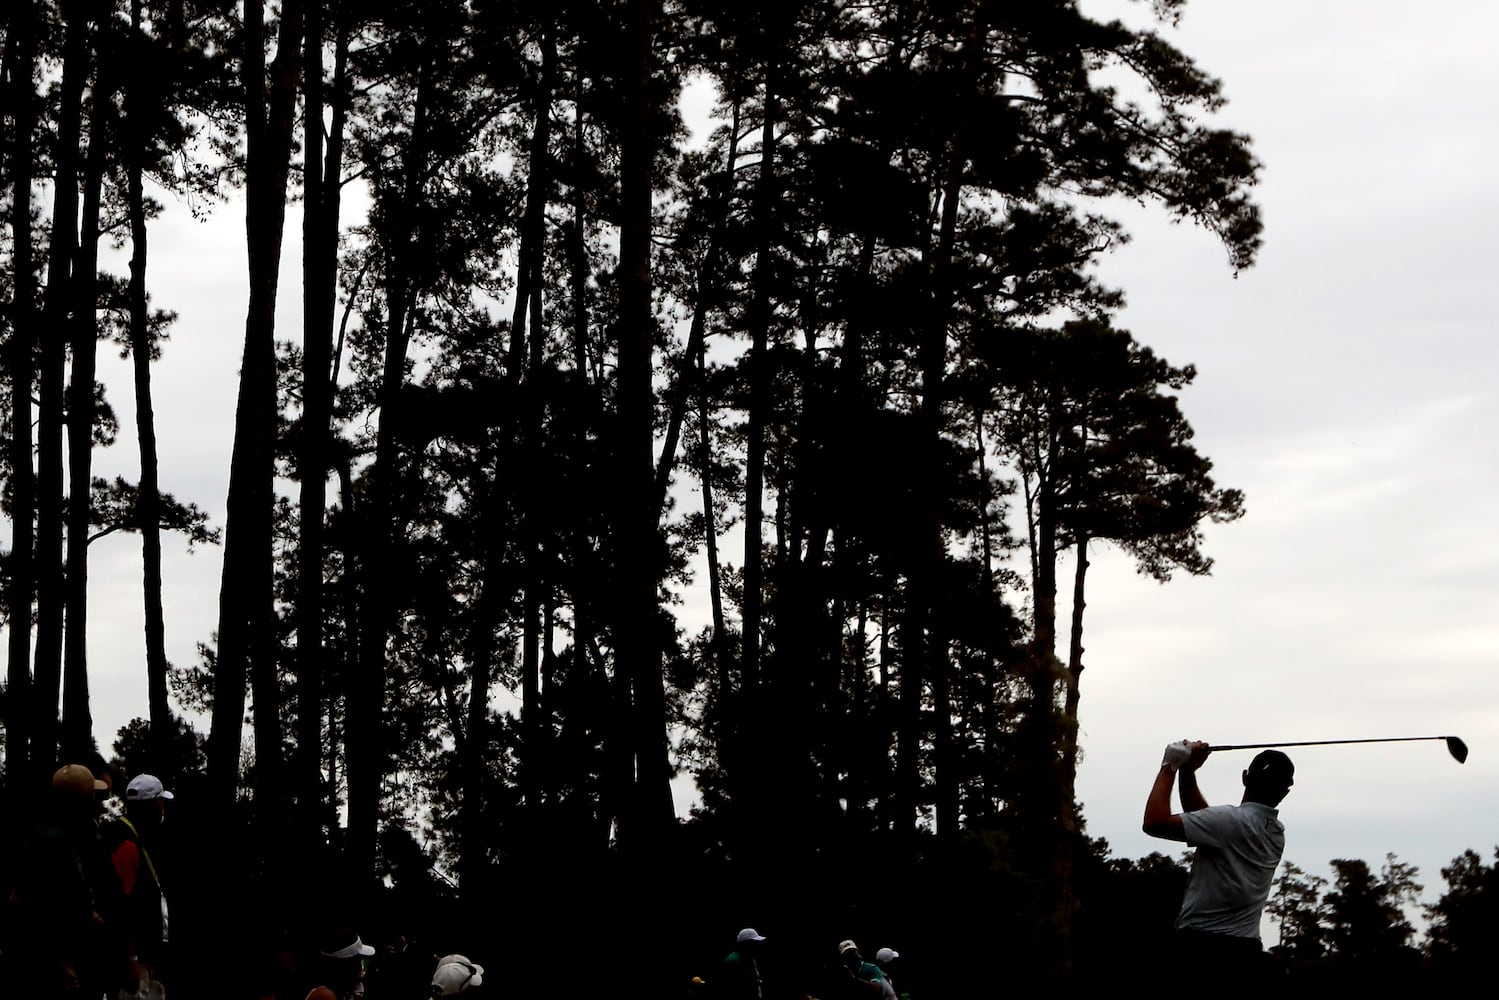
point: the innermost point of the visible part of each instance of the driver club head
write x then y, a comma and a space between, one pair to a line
1458, 749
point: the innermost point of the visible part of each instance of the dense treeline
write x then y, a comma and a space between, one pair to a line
1358, 928
683, 391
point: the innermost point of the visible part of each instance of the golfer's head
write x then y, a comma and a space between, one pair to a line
1269, 777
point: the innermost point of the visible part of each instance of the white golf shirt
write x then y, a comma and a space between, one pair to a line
1238, 850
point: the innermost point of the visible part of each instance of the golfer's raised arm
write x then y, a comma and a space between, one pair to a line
1159, 820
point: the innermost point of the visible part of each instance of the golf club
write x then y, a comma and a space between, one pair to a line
1456, 747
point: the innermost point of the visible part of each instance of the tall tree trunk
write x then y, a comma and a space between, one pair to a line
162, 724
21, 39
1074, 689
246, 632
795, 678
933, 656
318, 267
589, 692
534, 726
852, 409
989, 710
813, 515
366, 694
923, 653
50, 418
321, 189
1041, 669
77, 720
1039, 795
759, 401
1044, 611
755, 790
639, 555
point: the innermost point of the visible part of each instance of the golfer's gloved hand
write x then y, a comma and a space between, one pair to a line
1176, 755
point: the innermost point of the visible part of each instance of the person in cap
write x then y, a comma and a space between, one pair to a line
54, 907
866, 974
883, 958
740, 978
339, 968
134, 855
1238, 849
456, 974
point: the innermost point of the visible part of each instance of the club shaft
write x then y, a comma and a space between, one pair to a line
1321, 743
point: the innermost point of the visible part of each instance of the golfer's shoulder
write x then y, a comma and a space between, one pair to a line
1211, 824
1214, 814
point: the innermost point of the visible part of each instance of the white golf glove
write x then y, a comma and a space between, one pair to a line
1176, 755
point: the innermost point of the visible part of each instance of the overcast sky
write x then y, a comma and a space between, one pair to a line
1346, 385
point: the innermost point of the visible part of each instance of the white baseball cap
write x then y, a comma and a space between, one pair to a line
144, 788
455, 974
